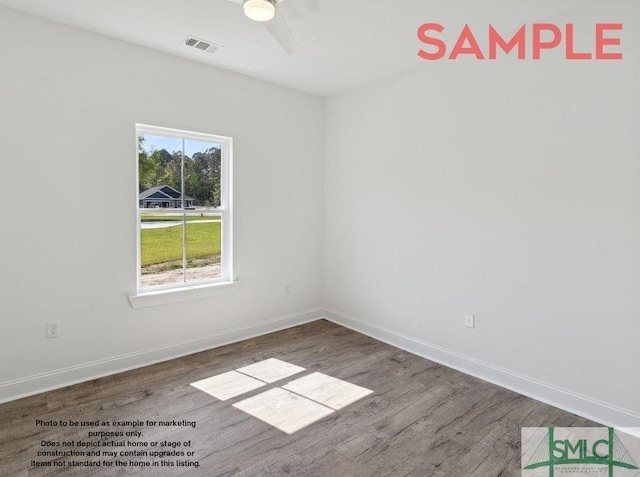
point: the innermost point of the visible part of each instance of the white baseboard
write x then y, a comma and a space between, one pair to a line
598, 411
23, 387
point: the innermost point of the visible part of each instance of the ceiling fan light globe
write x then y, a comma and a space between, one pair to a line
259, 10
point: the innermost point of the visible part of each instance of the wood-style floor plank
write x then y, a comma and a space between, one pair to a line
423, 419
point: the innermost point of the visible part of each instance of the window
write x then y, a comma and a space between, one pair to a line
184, 208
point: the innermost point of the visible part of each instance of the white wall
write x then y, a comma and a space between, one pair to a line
506, 189
69, 101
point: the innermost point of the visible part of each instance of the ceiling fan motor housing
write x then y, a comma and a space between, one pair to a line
260, 10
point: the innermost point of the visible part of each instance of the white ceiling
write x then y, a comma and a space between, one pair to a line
344, 43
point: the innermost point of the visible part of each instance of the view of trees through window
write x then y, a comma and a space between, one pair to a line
158, 167
181, 223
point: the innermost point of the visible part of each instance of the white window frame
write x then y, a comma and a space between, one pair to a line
225, 209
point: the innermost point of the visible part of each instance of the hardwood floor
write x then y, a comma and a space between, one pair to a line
422, 419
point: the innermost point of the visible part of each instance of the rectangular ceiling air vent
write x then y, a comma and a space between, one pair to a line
203, 45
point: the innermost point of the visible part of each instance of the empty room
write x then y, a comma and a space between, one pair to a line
320, 238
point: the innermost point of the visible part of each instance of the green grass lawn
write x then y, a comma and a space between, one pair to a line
165, 244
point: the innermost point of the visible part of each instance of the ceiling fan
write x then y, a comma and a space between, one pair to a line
267, 13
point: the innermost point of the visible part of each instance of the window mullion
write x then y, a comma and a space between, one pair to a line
184, 219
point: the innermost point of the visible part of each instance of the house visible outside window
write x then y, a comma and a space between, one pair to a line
184, 208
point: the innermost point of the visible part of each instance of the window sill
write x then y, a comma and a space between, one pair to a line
175, 295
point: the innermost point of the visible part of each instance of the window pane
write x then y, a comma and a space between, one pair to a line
202, 173
161, 261
159, 172
203, 245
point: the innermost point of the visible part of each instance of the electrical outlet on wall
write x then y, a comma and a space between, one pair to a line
470, 320
53, 329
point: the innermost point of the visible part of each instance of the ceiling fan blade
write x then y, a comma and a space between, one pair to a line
280, 31
312, 5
